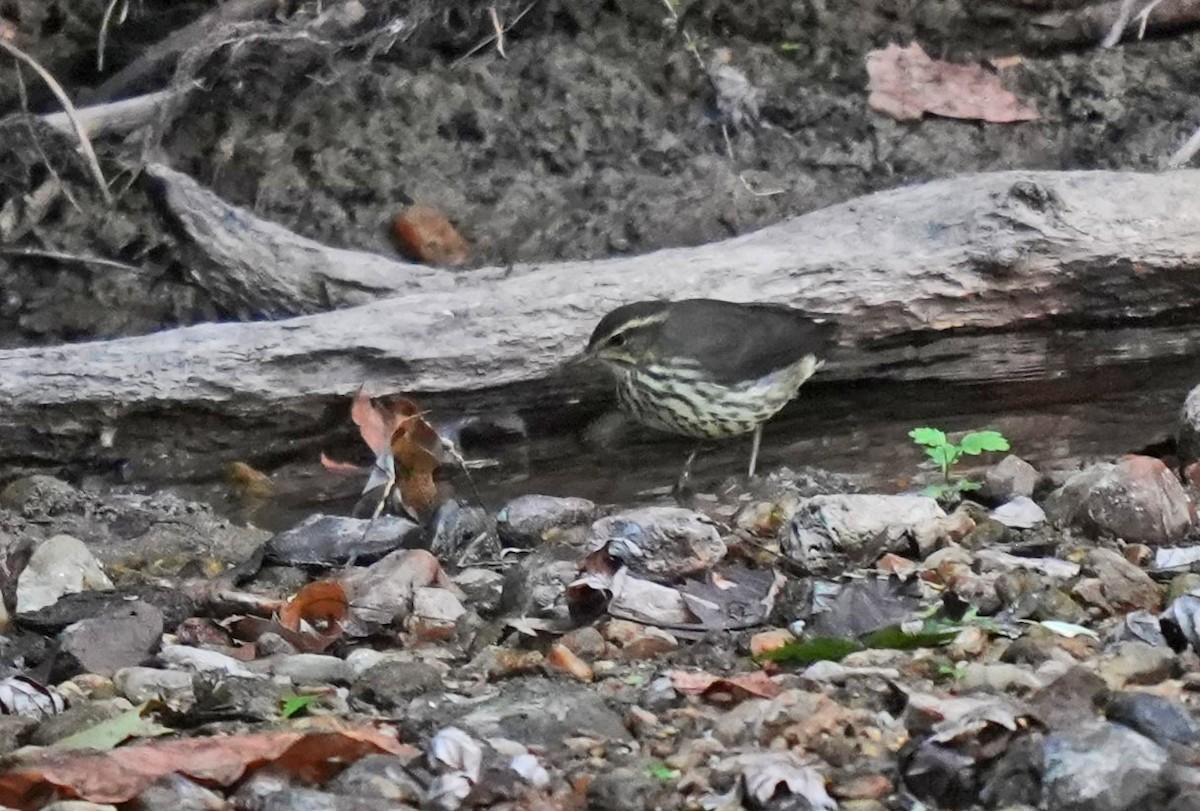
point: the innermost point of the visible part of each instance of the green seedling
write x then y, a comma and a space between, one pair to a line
946, 455
661, 771
291, 705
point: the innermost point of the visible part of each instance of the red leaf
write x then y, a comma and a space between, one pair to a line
905, 84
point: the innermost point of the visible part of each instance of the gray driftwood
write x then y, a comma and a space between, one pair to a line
983, 278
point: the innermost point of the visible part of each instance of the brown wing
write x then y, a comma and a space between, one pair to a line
742, 341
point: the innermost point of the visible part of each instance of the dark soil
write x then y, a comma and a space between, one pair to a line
596, 135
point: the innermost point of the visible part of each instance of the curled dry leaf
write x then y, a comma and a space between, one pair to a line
334, 466
416, 447
905, 84
405, 445
120, 775
322, 604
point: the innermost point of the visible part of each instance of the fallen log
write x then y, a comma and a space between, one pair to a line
985, 278
259, 269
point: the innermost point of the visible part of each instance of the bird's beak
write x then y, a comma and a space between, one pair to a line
575, 360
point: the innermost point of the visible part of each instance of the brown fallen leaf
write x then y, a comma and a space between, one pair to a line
562, 658
757, 684
376, 425
322, 604
334, 466
408, 450
416, 447
246, 482
118, 776
424, 233
905, 84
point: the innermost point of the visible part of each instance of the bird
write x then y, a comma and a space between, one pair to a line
708, 369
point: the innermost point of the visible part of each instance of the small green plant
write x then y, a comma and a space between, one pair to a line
956, 672
661, 771
946, 454
291, 705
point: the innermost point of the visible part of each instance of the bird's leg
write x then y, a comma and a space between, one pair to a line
754, 450
683, 487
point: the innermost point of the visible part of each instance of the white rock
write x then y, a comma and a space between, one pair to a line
58, 566
1021, 512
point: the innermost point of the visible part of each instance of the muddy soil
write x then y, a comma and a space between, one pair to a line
595, 133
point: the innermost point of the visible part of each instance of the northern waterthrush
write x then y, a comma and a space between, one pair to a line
708, 369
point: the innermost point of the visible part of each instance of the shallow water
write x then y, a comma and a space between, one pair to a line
857, 429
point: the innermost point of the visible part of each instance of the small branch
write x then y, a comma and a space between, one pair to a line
1118, 27
85, 143
499, 29
1186, 152
496, 36
68, 257
37, 144
115, 117
103, 38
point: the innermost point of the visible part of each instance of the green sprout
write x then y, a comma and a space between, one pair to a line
661, 771
946, 455
290, 705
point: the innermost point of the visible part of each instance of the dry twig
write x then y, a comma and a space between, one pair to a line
68, 257
499, 29
495, 37
102, 39
85, 143
1186, 152
23, 95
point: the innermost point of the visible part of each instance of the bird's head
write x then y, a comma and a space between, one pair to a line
627, 335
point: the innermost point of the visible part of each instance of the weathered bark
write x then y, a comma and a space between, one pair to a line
1095, 22
114, 118
982, 278
260, 269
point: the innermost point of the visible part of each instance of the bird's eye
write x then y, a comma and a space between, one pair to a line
617, 340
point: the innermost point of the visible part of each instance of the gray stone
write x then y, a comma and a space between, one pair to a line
659, 543
1124, 586
77, 718
40, 497
381, 776
122, 638
481, 589
166, 535
1099, 766
391, 684
532, 520
334, 539
1021, 512
306, 799
239, 697
540, 712
1137, 499
1160, 719
174, 792
14, 729
536, 586
60, 565
1135, 663
140, 684
463, 534
626, 789
1009, 478
849, 523
305, 668
1189, 427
